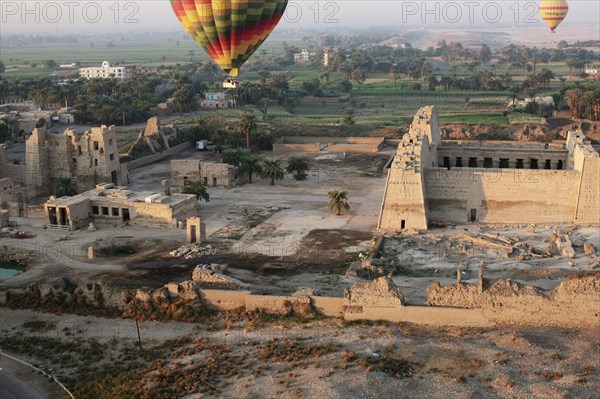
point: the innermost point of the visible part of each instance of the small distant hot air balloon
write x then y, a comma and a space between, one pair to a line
553, 12
230, 31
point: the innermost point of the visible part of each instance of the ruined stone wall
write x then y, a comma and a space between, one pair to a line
9, 170
501, 195
37, 163
574, 303
91, 159
432, 316
60, 162
225, 300
99, 159
184, 168
282, 148
214, 174
356, 144
13, 198
360, 148
327, 306
138, 163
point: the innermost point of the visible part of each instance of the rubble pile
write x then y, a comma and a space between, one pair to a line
192, 251
589, 248
306, 292
564, 244
369, 268
213, 276
381, 292
588, 284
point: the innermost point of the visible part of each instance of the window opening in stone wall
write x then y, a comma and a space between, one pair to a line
447, 162
519, 164
533, 163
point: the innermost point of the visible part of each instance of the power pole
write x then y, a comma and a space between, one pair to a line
137, 326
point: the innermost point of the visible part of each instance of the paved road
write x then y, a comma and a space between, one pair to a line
13, 388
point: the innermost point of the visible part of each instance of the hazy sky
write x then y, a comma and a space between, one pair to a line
71, 16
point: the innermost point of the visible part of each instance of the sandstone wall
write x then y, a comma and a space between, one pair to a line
422, 315
501, 195
282, 148
512, 154
574, 303
211, 172
588, 208
403, 204
138, 163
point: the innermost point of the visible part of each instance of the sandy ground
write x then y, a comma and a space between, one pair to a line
282, 237
456, 363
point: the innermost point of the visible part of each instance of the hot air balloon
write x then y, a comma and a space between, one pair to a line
553, 12
230, 31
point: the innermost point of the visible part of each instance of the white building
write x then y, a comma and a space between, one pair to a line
105, 72
303, 57
68, 66
592, 70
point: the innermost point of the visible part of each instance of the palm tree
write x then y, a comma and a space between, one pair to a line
11, 124
338, 201
298, 166
250, 164
177, 80
574, 101
272, 169
246, 126
234, 156
196, 187
65, 187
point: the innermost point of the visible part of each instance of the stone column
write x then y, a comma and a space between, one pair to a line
196, 232
480, 282
166, 186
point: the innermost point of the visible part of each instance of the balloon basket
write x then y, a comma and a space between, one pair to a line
231, 83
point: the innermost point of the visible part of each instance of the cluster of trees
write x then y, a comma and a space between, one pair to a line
216, 128
269, 168
109, 101
269, 87
584, 102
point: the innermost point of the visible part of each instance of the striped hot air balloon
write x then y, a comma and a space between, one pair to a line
230, 31
553, 12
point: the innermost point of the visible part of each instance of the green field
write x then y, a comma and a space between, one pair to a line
377, 103
17, 59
